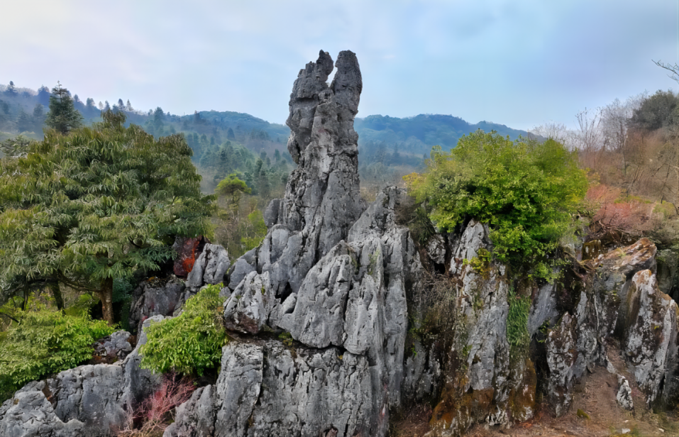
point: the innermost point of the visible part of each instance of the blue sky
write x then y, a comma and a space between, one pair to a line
519, 63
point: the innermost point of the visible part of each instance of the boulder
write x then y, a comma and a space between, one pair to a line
153, 297
209, 267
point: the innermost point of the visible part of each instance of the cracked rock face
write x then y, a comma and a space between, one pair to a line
87, 401
479, 381
322, 197
155, 297
343, 366
652, 335
330, 275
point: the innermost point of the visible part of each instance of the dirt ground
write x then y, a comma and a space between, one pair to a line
594, 395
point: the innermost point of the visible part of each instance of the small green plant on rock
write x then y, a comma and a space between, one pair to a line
45, 342
517, 323
191, 342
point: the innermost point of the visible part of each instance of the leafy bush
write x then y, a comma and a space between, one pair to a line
46, 342
191, 342
525, 190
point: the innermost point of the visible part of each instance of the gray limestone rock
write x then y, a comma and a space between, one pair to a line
322, 198
624, 395
266, 389
238, 272
652, 334
436, 249
91, 400
561, 357
543, 308
209, 267
247, 309
480, 350
155, 297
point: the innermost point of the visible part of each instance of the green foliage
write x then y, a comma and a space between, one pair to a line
191, 342
479, 263
46, 342
255, 230
232, 187
525, 190
96, 205
62, 117
517, 323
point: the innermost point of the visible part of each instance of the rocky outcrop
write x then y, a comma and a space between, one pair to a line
651, 336
322, 198
155, 297
478, 386
579, 341
88, 401
330, 276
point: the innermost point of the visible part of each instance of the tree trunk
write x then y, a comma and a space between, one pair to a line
56, 292
106, 296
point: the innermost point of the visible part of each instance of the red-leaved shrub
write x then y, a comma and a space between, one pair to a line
156, 412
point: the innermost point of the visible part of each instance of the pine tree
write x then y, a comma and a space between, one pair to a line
99, 204
62, 117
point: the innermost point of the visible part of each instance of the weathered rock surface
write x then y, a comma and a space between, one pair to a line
209, 267
652, 334
92, 400
267, 389
478, 385
580, 341
115, 346
188, 250
562, 354
155, 297
624, 395
322, 198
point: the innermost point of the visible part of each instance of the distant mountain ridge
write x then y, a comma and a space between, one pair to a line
421, 132
415, 135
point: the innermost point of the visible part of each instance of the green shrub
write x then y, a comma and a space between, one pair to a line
525, 190
191, 342
46, 342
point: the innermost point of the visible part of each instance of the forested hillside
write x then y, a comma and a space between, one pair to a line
227, 142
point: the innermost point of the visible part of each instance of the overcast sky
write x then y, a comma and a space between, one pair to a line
519, 63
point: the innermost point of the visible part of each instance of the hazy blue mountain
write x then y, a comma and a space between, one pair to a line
419, 133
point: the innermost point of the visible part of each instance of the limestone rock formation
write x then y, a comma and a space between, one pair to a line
88, 401
331, 275
651, 340
155, 297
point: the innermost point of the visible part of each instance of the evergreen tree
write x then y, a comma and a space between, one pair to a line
11, 90
62, 116
99, 204
24, 122
44, 96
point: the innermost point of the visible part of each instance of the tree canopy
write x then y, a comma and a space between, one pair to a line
98, 204
525, 191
